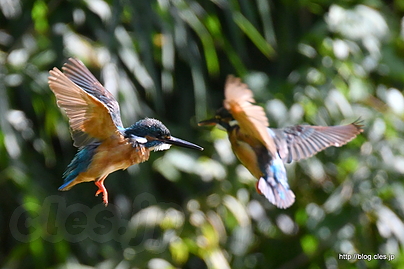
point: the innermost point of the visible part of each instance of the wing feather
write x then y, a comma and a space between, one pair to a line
89, 117
251, 118
303, 141
77, 72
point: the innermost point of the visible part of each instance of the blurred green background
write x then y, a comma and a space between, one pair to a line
319, 62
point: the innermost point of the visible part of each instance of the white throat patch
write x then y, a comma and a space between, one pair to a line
232, 123
161, 147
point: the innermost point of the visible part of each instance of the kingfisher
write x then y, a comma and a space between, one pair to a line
263, 150
104, 144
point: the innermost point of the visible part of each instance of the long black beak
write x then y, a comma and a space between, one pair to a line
182, 143
209, 122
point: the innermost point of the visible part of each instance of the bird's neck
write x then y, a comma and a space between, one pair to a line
230, 125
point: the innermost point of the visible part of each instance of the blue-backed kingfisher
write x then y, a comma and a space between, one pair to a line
96, 127
262, 150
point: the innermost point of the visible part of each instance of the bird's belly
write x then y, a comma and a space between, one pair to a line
114, 155
247, 156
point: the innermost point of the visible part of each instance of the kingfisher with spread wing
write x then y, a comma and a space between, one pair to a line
104, 144
262, 150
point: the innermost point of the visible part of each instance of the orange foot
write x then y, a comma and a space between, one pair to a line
103, 190
258, 189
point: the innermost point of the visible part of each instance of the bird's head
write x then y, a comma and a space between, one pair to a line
222, 118
154, 135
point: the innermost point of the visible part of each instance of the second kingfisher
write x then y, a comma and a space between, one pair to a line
262, 150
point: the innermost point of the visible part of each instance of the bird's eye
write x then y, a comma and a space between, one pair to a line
164, 137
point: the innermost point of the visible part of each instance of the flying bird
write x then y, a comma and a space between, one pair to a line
104, 144
264, 151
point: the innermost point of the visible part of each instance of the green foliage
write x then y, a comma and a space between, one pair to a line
318, 62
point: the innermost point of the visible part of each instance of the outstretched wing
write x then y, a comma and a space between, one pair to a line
251, 118
93, 112
303, 141
77, 72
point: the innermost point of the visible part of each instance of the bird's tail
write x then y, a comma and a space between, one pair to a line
71, 173
68, 183
78, 165
274, 185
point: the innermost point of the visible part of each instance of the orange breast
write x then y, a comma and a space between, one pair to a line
112, 155
244, 148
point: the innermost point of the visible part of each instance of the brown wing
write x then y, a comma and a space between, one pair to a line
251, 118
303, 141
89, 117
77, 72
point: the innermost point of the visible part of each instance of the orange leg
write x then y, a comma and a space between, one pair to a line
257, 189
101, 189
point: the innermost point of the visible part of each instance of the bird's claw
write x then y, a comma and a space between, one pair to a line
258, 189
103, 190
